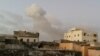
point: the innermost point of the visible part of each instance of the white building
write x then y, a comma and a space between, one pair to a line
27, 36
76, 34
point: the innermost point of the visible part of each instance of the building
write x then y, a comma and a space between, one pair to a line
48, 45
77, 34
81, 40
94, 51
5, 40
25, 36
75, 46
9, 42
72, 45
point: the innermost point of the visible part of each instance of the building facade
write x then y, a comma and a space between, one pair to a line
27, 36
76, 34
94, 51
71, 45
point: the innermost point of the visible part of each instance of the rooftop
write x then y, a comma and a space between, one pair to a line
76, 42
25, 34
95, 48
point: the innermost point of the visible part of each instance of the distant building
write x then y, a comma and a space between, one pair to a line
48, 45
76, 34
9, 42
27, 36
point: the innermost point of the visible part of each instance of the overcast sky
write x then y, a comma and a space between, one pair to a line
71, 13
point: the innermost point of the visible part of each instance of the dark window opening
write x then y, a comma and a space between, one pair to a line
34, 40
27, 40
21, 40
95, 40
84, 40
84, 34
95, 35
15, 37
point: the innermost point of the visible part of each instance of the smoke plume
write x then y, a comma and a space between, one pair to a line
46, 28
10, 22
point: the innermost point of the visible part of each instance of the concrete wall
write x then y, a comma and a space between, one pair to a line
76, 47
66, 46
70, 46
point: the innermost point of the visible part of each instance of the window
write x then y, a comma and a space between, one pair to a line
95, 40
21, 40
27, 40
84, 40
84, 34
95, 35
34, 40
15, 37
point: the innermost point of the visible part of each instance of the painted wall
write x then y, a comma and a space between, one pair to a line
93, 52
70, 46
84, 49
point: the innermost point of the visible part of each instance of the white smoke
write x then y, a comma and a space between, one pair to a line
41, 24
10, 22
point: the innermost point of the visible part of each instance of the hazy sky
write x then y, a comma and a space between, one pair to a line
71, 13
